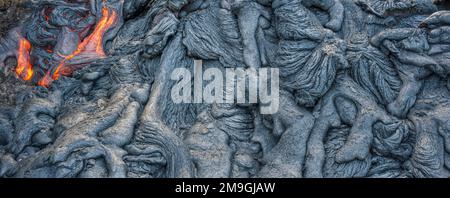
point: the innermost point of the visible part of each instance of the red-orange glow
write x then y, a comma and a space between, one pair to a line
45, 81
24, 68
93, 44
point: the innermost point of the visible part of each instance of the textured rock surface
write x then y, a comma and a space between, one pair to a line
364, 92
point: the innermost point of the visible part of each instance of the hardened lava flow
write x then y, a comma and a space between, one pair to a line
90, 88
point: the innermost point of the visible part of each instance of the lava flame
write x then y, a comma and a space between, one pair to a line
24, 69
91, 45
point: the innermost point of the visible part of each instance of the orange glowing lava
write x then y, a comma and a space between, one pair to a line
24, 69
91, 45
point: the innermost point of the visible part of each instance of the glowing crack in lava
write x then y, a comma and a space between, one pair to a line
91, 45
24, 68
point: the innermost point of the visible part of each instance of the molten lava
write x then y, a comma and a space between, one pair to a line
24, 68
91, 46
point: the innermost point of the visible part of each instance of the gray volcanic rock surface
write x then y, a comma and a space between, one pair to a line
86, 88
